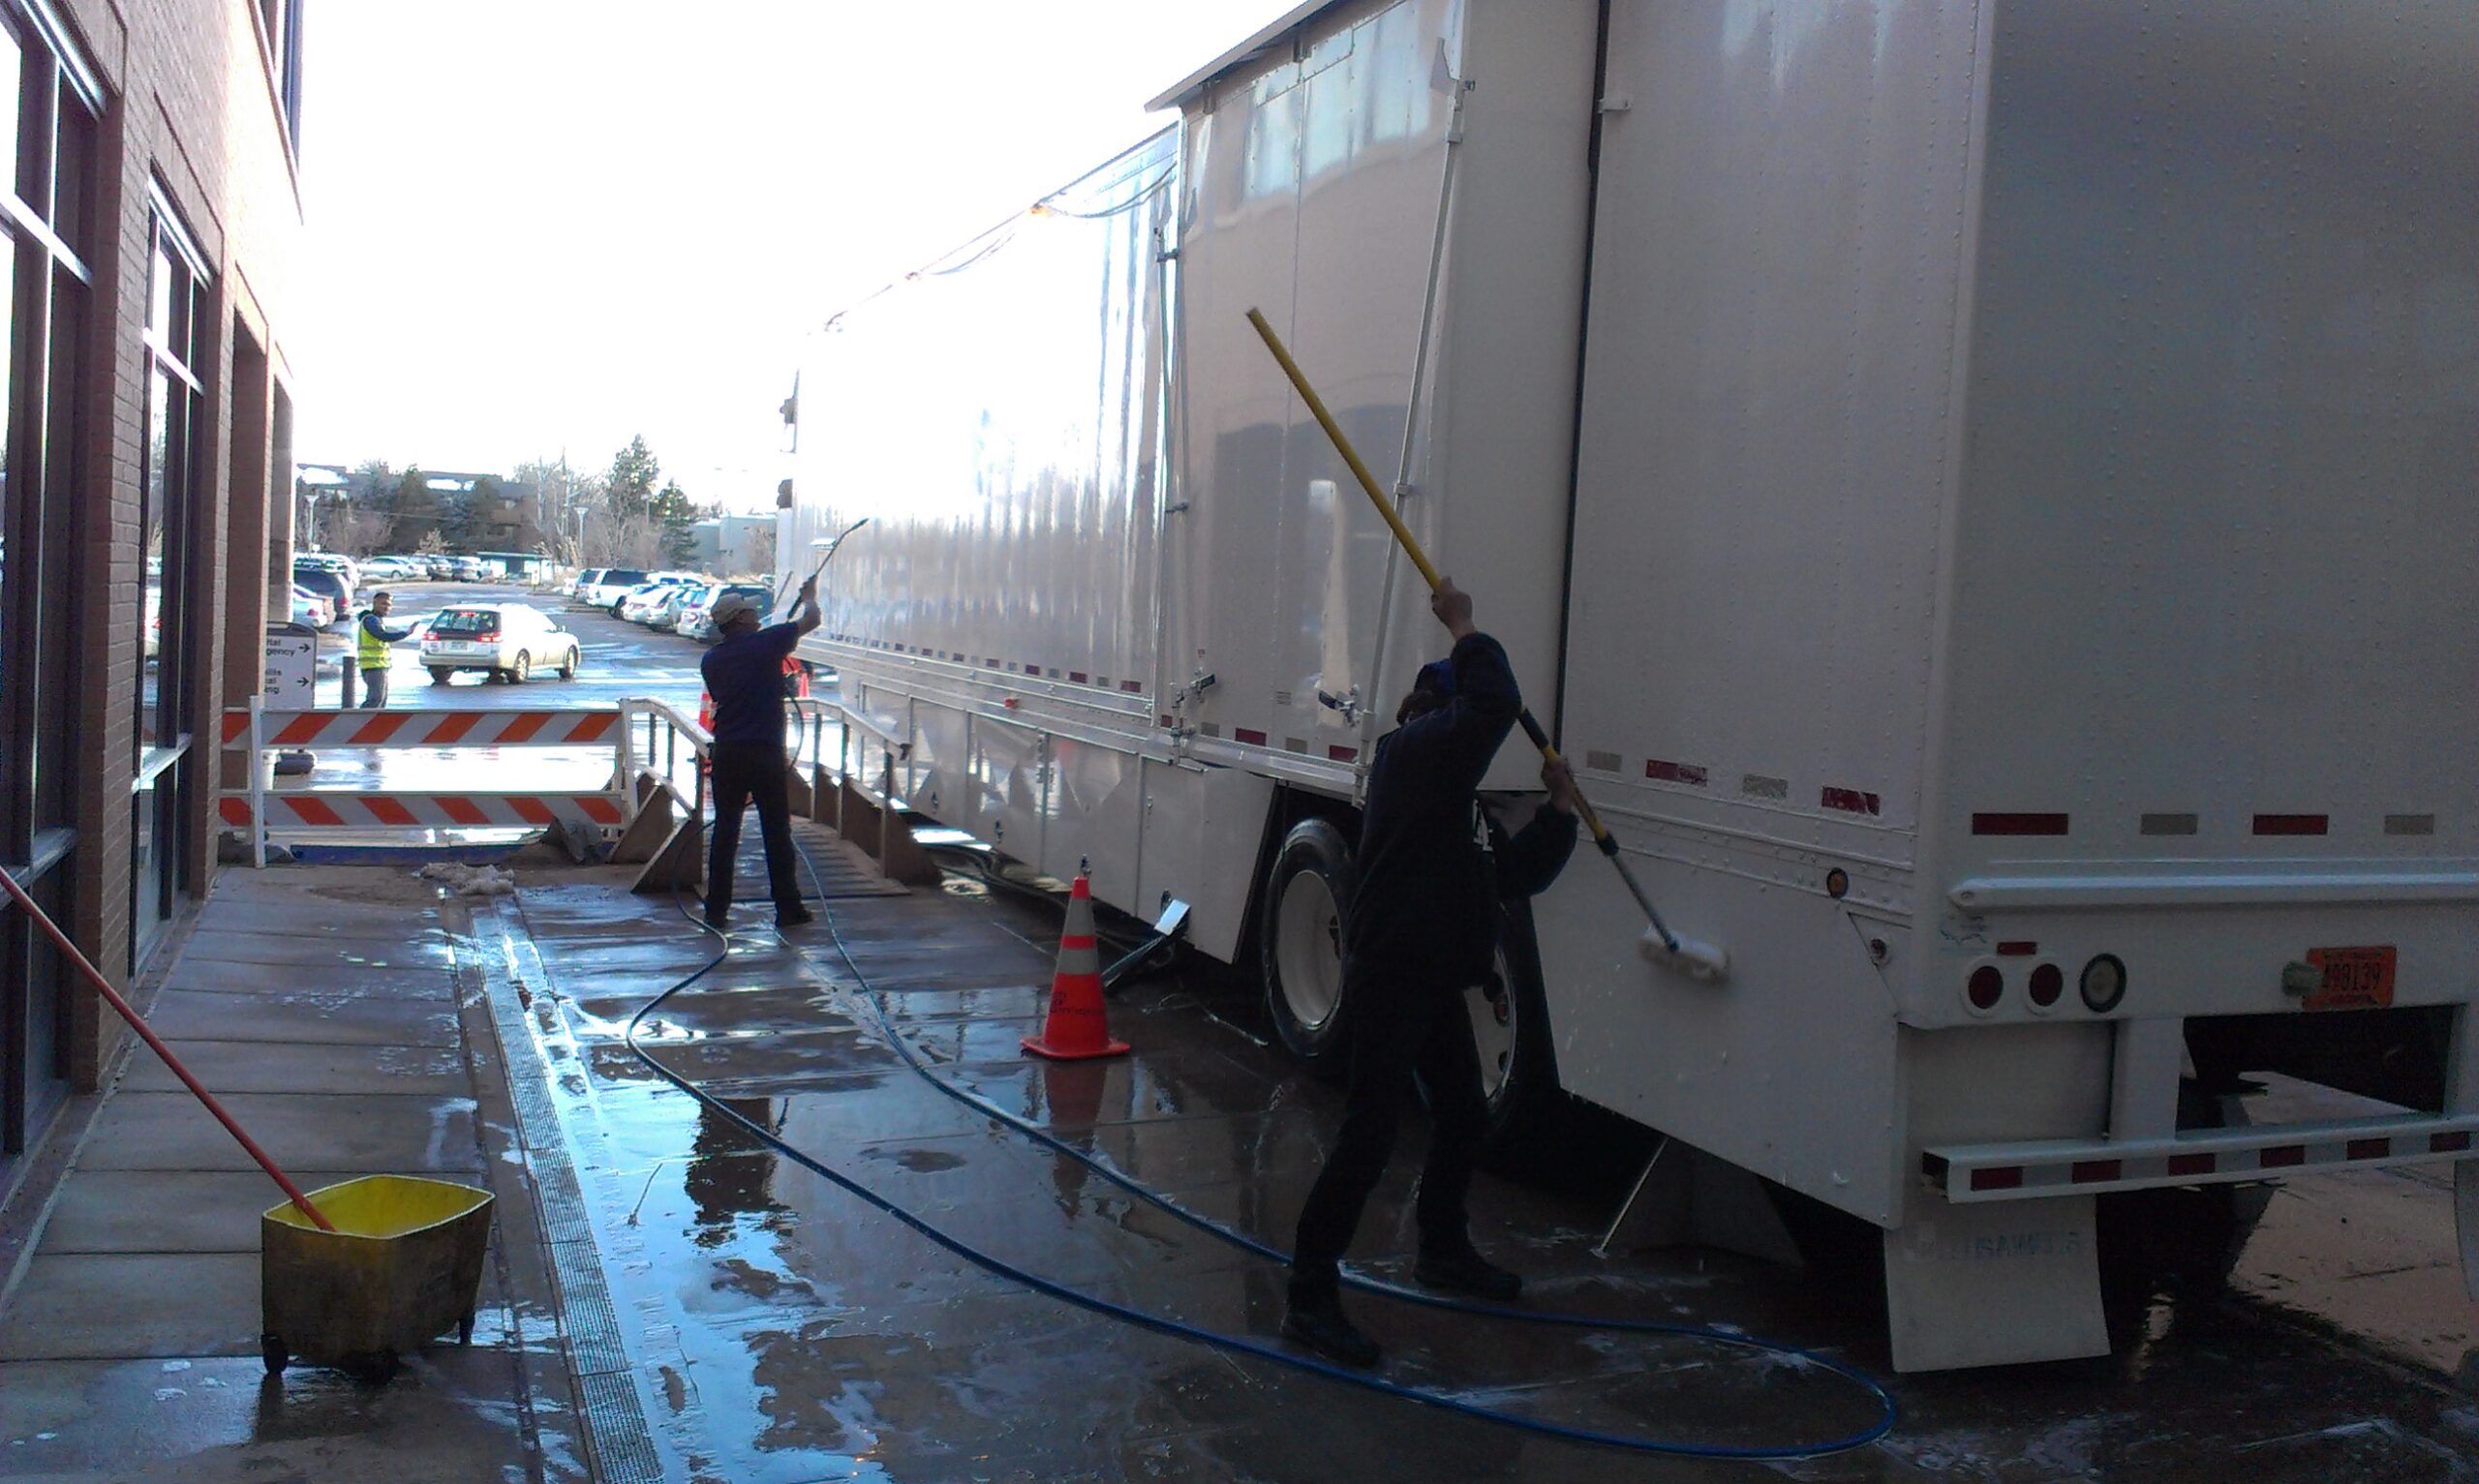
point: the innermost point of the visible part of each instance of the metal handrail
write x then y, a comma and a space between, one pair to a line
674, 724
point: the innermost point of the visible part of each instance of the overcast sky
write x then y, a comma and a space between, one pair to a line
538, 224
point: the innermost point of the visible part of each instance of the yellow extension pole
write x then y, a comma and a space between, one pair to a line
1701, 960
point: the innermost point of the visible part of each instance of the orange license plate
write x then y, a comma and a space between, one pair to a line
2354, 978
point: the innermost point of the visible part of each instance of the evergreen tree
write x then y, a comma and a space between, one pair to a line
629, 488
678, 519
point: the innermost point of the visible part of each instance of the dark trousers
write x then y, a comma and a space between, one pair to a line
746, 771
374, 691
1400, 1030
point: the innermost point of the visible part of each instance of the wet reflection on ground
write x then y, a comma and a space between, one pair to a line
788, 1332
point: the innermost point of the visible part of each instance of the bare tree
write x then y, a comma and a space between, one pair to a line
357, 531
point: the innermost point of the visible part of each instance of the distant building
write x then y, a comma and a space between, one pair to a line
732, 545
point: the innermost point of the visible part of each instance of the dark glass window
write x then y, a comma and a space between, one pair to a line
47, 102
165, 624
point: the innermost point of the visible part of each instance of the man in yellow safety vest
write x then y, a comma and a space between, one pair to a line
371, 638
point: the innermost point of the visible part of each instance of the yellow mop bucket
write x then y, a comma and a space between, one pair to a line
403, 1264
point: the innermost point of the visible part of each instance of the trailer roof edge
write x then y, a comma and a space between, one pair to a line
1186, 87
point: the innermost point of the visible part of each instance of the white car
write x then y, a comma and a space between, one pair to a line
509, 640
642, 604
609, 586
310, 608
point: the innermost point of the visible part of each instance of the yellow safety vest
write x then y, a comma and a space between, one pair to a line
372, 650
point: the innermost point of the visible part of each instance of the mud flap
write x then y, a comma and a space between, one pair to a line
2465, 1221
1995, 1283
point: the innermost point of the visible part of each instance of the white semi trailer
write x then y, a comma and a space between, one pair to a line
1987, 494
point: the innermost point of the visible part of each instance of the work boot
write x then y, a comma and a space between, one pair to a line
1463, 1270
719, 918
1316, 1320
793, 914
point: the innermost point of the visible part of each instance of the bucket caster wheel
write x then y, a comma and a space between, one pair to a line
271, 1348
465, 1329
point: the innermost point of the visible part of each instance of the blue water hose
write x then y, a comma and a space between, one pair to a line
1242, 1344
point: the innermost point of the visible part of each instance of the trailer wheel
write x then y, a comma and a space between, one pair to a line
1302, 942
1518, 1066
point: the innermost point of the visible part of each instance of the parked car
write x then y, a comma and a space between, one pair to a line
667, 609
327, 582
388, 569
580, 580
155, 618
469, 569
342, 567
506, 640
609, 586
697, 621
641, 605
308, 607
441, 568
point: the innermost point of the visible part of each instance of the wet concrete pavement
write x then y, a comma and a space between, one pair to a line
781, 1329
332, 1013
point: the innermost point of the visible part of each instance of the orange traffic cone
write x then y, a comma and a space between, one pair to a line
1076, 1028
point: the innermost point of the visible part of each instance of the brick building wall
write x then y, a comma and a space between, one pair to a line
194, 122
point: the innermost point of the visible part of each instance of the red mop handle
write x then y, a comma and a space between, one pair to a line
111, 996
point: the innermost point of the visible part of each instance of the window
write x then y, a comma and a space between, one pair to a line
280, 29
48, 98
162, 627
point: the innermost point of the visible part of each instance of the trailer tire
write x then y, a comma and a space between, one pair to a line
1301, 945
1519, 1064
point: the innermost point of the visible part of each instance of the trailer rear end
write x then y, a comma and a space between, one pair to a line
2022, 607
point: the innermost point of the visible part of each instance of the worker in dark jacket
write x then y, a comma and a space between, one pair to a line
1421, 928
745, 674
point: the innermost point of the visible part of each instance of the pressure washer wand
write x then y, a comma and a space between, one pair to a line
826, 547
94, 977
1703, 961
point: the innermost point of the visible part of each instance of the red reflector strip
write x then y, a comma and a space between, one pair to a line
523, 728
1133, 687
1674, 772
1342, 754
991, 663
1165, 721
462, 810
2088, 1171
1078, 675
2191, 1163
1251, 737
236, 811
2004, 1178
2291, 824
591, 728
2017, 948
534, 811
2370, 1148
2281, 1156
2449, 1143
2018, 824
1850, 801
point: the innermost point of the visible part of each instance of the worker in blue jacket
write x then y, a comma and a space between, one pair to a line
1422, 928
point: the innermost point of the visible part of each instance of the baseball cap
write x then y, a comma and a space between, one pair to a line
730, 606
